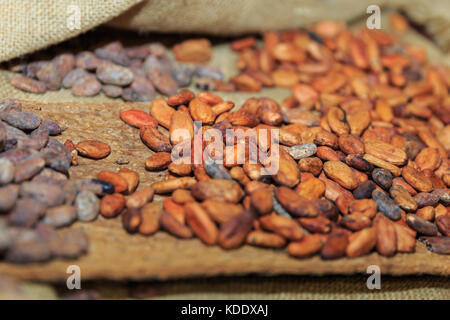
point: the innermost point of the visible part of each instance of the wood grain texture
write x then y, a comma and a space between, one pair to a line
116, 255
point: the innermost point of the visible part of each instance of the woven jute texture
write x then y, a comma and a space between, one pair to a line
29, 25
354, 287
236, 16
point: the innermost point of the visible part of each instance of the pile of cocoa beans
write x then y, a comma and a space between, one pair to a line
342, 188
36, 195
133, 74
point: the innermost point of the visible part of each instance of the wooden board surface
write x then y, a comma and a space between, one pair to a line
114, 254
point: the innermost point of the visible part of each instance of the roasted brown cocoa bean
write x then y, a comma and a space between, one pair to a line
286, 227
173, 226
233, 232
295, 204
112, 205
361, 242
154, 139
93, 149
265, 239
150, 218
306, 247
443, 224
140, 198
316, 225
228, 190
262, 201
386, 236
439, 245
200, 222
131, 220
335, 247
169, 186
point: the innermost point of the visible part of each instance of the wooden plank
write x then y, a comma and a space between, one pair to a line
114, 254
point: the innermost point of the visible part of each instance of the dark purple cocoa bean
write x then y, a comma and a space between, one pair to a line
208, 72
3, 136
327, 209
52, 127
18, 67
28, 247
112, 91
160, 76
182, 74
48, 194
14, 137
64, 63
156, 49
138, 52
114, 74
71, 191
424, 199
7, 169
26, 213
382, 177
359, 163
40, 135
136, 63
129, 95
60, 216
143, 89
73, 77
5, 237
421, 225
33, 68
49, 74
86, 86
386, 205
22, 120
8, 197
56, 156
118, 57
28, 168
364, 190
51, 176
216, 171
75, 243
439, 245
443, 194
17, 155
48, 234
86, 60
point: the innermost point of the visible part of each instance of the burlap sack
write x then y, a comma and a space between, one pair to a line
236, 16
29, 25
